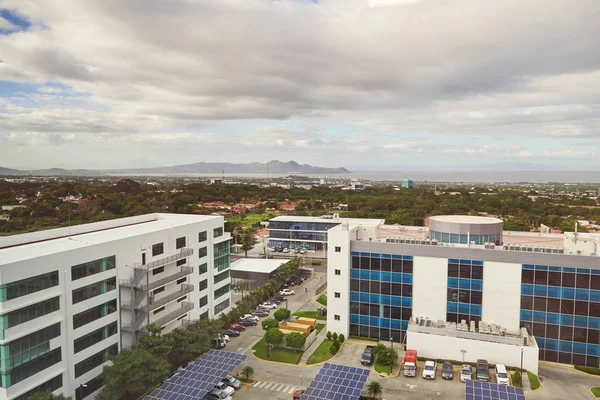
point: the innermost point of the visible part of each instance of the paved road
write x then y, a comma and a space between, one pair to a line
562, 383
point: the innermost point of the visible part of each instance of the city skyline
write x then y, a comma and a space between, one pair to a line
400, 85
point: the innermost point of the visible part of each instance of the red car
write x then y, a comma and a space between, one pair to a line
298, 394
237, 327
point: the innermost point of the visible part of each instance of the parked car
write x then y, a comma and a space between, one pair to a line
248, 322
302, 251
270, 306
279, 298
466, 373
232, 382
285, 250
501, 375
237, 327
260, 313
296, 251
286, 292
230, 332
218, 343
298, 394
249, 316
275, 301
278, 249
482, 371
367, 356
429, 369
217, 394
447, 370
225, 338
228, 390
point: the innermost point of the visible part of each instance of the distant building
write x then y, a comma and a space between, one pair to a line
408, 184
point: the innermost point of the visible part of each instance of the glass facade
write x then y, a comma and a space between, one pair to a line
27, 286
94, 337
217, 232
90, 387
92, 267
27, 348
465, 290
22, 315
48, 386
302, 226
221, 306
222, 276
463, 239
303, 235
93, 290
319, 236
31, 368
380, 295
560, 306
93, 314
221, 291
315, 246
222, 259
97, 359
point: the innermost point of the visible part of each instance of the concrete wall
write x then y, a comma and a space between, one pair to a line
339, 237
444, 347
430, 283
501, 303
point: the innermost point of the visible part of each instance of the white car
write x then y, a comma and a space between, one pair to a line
302, 251
228, 390
268, 305
226, 338
217, 394
285, 250
286, 292
249, 316
429, 370
466, 373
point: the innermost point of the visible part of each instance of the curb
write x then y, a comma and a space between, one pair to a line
593, 395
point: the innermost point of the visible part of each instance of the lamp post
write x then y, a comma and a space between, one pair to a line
392, 342
521, 370
301, 376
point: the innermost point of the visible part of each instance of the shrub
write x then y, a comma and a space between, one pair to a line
269, 323
334, 336
534, 382
589, 370
281, 314
516, 379
336, 345
341, 338
328, 335
333, 349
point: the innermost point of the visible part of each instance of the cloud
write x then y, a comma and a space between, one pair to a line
6, 25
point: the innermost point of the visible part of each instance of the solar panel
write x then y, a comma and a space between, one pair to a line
477, 390
337, 382
199, 377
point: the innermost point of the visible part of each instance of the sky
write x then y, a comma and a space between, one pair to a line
363, 84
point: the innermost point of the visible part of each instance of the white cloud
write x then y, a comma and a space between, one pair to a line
7, 25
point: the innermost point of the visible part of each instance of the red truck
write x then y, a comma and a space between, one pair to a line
410, 363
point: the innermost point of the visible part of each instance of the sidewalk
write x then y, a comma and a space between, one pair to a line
311, 349
525, 381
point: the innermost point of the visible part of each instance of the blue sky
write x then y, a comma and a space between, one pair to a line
365, 84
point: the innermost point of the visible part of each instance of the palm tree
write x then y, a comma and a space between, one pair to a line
247, 372
379, 349
374, 389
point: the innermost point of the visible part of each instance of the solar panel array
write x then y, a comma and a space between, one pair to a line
198, 378
337, 382
477, 390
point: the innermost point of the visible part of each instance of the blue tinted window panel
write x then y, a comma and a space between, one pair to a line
453, 283
464, 283
554, 292
354, 296
566, 320
595, 296
541, 291
452, 307
582, 294
396, 257
527, 289
527, 266
407, 302
583, 271
355, 273
354, 253
580, 322
594, 323
553, 318
375, 255
477, 284
568, 293
539, 316
526, 315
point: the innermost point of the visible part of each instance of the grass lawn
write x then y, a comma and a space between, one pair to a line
596, 392
277, 354
534, 382
320, 327
322, 352
310, 314
383, 368
322, 299
248, 219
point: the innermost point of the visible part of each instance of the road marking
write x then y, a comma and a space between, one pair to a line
411, 386
291, 389
278, 387
240, 349
268, 385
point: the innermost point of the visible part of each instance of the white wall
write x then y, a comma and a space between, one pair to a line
430, 287
446, 347
501, 303
339, 236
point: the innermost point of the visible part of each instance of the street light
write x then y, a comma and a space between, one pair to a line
521, 370
392, 342
301, 376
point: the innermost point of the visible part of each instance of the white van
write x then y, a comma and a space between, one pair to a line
501, 375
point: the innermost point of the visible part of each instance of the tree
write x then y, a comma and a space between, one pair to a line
374, 389
328, 335
272, 337
132, 374
295, 340
379, 349
282, 314
247, 372
49, 396
334, 336
270, 323
248, 240
341, 338
388, 356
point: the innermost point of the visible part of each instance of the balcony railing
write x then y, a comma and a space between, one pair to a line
185, 252
185, 289
136, 302
185, 307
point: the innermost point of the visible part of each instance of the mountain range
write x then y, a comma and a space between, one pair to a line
274, 167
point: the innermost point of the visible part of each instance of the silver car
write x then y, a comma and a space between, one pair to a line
232, 382
466, 373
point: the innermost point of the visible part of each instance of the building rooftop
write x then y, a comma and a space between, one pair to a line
257, 265
466, 219
38, 244
329, 218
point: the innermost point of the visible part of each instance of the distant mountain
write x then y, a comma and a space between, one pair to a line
274, 167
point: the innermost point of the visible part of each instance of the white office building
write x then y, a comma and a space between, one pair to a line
465, 289
71, 297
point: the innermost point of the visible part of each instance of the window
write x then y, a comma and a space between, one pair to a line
96, 360
48, 386
203, 252
182, 280
203, 284
88, 388
158, 270
337, 295
338, 249
95, 313
336, 317
27, 348
22, 315
338, 272
159, 290
221, 291
93, 290
202, 237
179, 300
204, 315
221, 306
203, 301
92, 267
158, 310
221, 277
181, 262
97, 336
27, 286
31, 368
203, 268
157, 249
217, 232
180, 242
